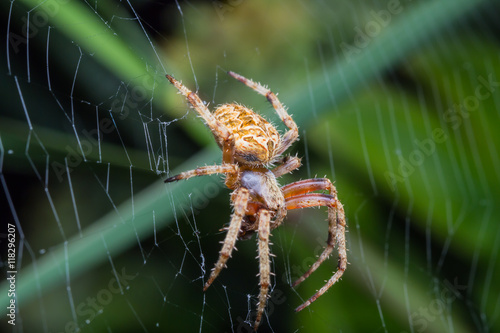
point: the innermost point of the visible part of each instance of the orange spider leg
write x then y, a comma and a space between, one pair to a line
336, 231
310, 200
240, 204
311, 185
308, 185
264, 219
293, 132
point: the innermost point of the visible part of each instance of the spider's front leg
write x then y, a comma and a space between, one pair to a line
297, 195
294, 192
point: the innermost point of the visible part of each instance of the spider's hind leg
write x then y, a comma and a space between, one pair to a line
293, 133
219, 130
200, 107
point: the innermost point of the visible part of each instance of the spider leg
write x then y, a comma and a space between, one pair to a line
240, 203
293, 133
205, 170
288, 164
336, 232
264, 219
221, 133
310, 185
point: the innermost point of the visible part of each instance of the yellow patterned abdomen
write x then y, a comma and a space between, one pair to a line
255, 138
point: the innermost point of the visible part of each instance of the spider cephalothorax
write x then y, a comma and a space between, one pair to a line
250, 144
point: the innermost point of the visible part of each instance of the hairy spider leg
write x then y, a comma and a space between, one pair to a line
287, 165
336, 231
220, 132
264, 219
240, 204
307, 186
204, 171
293, 133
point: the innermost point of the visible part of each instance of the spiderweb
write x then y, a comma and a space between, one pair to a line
397, 102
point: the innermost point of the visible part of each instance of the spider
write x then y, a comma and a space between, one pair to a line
250, 147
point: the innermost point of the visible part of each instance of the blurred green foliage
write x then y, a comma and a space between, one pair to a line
421, 209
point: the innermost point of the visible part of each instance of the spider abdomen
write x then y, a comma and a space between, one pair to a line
255, 139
